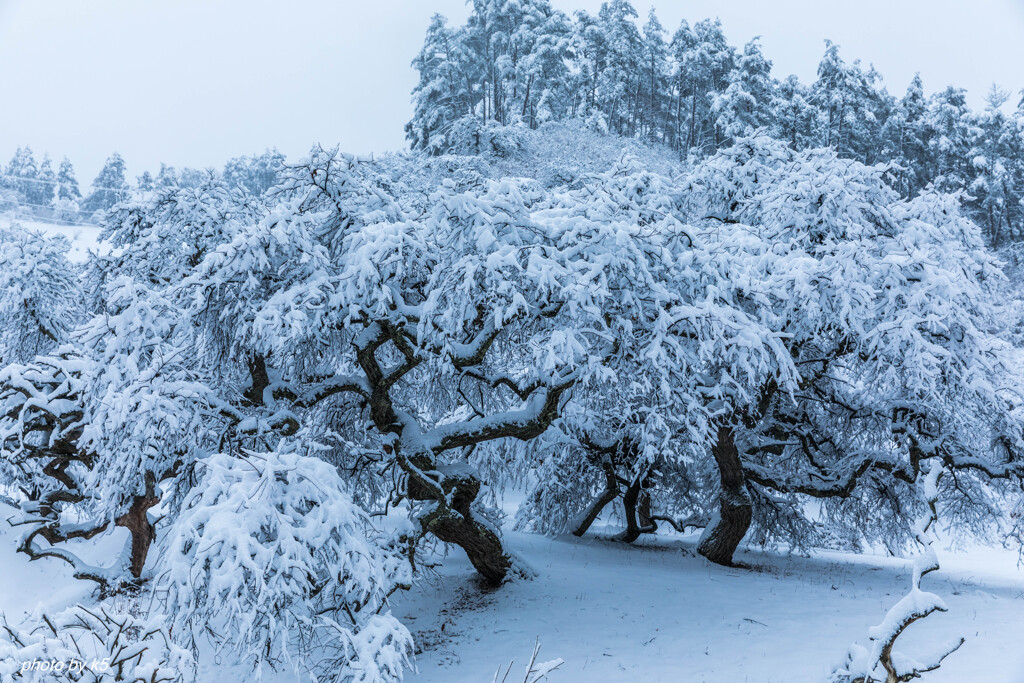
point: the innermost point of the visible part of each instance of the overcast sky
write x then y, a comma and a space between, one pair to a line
194, 82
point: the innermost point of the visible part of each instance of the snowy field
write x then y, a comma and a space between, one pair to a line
657, 612
84, 238
661, 613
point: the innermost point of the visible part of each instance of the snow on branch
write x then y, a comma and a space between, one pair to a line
878, 661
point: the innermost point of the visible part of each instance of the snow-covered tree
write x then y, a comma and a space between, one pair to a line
95, 643
66, 204
444, 93
879, 661
268, 557
255, 174
20, 174
40, 296
745, 105
45, 187
109, 187
684, 345
67, 184
904, 140
794, 114
996, 163
886, 306
93, 428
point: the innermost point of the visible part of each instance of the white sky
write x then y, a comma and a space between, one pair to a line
194, 82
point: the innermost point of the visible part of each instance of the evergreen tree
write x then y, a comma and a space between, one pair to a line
745, 105
656, 96
903, 139
167, 177
794, 115
621, 78
708, 61
950, 132
46, 188
852, 108
21, 174
145, 182
67, 184
444, 93
994, 160
109, 187
66, 204
255, 174
683, 84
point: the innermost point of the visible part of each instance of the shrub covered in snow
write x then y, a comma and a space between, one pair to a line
96, 643
268, 557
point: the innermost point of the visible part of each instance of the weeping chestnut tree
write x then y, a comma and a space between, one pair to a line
885, 306
686, 345
444, 329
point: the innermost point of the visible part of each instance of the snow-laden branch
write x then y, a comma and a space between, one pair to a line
878, 661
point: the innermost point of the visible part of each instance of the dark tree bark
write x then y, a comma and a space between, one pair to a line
454, 523
260, 380
450, 519
637, 503
720, 540
136, 521
610, 493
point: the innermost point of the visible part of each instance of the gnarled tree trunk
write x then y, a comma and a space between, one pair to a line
723, 535
136, 520
610, 493
453, 523
636, 502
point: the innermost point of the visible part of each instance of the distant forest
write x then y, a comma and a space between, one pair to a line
522, 63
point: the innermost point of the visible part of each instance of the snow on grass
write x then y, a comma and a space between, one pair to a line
660, 613
656, 612
83, 238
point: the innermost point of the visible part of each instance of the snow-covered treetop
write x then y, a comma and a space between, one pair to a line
40, 300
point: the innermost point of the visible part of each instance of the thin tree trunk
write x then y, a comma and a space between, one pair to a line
609, 494
637, 503
526, 99
727, 529
693, 119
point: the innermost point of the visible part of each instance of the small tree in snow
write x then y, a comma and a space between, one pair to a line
269, 558
878, 661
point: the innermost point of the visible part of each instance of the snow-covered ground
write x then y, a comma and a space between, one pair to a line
656, 612
660, 613
83, 238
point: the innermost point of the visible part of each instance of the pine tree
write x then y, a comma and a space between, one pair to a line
656, 92
996, 153
44, 193
683, 83
745, 105
167, 177
903, 139
621, 78
445, 92
795, 118
255, 174
145, 182
109, 187
67, 184
707, 61
950, 132
21, 174
66, 204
